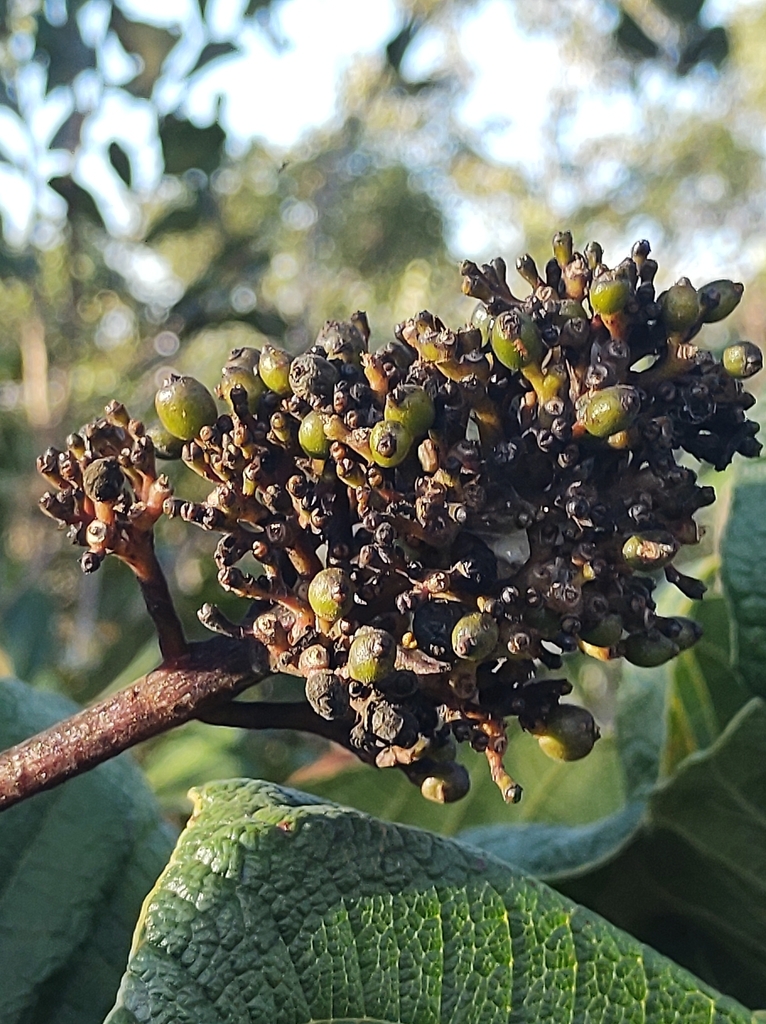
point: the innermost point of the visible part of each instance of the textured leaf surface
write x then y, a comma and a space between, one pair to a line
277, 907
75, 865
743, 569
691, 880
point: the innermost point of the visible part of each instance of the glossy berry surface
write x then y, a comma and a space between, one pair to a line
516, 341
331, 594
274, 369
742, 360
238, 374
390, 442
371, 656
653, 549
184, 407
609, 294
718, 299
609, 411
648, 650
475, 636
568, 734
680, 307
447, 785
311, 436
411, 406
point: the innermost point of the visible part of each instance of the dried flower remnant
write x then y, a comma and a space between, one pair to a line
439, 518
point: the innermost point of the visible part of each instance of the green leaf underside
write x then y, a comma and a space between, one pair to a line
558, 852
277, 908
691, 880
707, 691
75, 865
743, 571
683, 870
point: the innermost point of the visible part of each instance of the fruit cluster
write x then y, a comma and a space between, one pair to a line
437, 519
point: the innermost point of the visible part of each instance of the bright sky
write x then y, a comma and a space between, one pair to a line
279, 93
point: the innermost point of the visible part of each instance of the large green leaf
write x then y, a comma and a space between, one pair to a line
705, 690
277, 907
689, 878
743, 569
641, 725
75, 865
664, 714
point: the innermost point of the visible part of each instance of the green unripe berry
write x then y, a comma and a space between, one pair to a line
610, 410
166, 445
274, 369
609, 294
650, 550
331, 594
562, 247
371, 656
516, 340
569, 733
483, 319
594, 254
718, 299
448, 783
411, 406
742, 360
606, 633
185, 406
311, 436
475, 636
680, 306
234, 374
648, 650
390, 443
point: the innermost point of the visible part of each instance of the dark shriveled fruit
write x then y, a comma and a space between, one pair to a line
327, 694
443, 519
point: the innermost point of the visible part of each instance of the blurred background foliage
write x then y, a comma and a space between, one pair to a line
143, 233
150, 224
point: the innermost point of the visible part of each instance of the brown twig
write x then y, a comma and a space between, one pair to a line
275, 715
211, 672
159, 604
